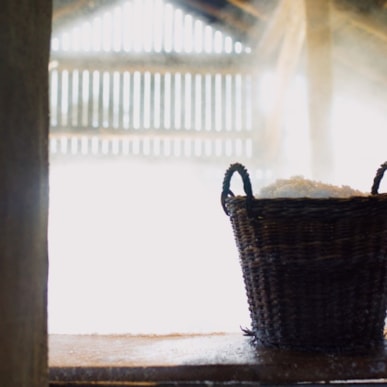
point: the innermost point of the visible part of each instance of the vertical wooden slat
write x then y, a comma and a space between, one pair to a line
248, 95
167, 100
238, 102
95, 96
319, 69
74, 99
126, 100
106, 83
82, 98
99, 106
90, 100
54, 90
65, 100
218, 102
188, 101
24, 122
229, 100
177, 101
209, 102
60, 97
157, 111
116, 100
78, 92
110, 113
137, 99
198, 98
68, 96
147, 100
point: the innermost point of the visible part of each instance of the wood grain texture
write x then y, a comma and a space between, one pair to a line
24, 52
119, 360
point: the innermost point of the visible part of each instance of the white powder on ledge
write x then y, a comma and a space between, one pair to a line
298, 186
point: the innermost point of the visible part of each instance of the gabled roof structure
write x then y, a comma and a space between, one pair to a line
358, 27
341, 45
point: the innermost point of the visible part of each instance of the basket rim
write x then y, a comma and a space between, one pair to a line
312, 200
369, 197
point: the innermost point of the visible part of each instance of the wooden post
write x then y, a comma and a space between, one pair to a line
288, 59
287, 29
319, 76
24, 51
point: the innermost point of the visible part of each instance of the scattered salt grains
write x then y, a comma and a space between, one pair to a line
298, 186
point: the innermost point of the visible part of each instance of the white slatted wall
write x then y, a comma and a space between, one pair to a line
180, 114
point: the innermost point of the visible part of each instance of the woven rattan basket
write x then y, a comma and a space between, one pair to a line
315, 270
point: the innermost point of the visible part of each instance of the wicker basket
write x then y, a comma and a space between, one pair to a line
315, 270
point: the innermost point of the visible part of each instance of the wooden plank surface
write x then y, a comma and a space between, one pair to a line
24, 52
187, 358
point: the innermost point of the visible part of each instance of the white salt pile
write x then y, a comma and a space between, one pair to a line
298, 186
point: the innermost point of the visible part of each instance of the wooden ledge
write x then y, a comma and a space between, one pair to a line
112, 360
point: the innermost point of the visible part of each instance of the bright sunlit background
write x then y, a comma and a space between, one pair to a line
141, 245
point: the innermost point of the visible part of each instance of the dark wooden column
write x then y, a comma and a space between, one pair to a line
319, 76
24, 51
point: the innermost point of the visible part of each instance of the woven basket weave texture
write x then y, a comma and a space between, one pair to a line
315, 270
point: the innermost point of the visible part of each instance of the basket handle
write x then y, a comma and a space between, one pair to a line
378, 178
237, 167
